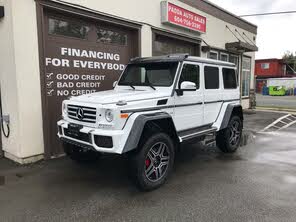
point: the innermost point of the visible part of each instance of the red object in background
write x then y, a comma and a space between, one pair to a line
266, 68
185, 18
260, 83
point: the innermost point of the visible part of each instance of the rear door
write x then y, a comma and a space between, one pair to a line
212, 93
189, 106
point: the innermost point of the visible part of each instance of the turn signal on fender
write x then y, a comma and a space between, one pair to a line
124, 115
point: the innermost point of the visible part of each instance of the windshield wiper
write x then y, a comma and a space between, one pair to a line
130, 85
149, 84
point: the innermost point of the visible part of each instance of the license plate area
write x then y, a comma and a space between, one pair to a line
74, 129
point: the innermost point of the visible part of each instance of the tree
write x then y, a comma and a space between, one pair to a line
290, 59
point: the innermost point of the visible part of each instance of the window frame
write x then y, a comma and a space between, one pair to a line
237, 67
267, 64
226, 54
213, 51
250, 76
219, 76
199, 75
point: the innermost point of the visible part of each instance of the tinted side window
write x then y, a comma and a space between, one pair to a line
190, 73
211, 77
229, 78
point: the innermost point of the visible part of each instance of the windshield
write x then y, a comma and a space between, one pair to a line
155, 74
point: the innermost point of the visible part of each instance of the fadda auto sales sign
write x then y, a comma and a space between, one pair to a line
176, 15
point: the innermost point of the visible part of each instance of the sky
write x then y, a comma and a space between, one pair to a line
276, 33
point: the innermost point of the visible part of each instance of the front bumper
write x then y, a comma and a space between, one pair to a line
89, 138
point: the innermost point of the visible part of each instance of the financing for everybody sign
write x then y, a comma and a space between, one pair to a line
177, 15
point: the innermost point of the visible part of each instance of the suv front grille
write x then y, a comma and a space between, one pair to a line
81, 113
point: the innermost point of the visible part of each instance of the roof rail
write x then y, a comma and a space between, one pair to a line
179, 55
134, 59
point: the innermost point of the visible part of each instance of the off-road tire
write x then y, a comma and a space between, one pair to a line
225, 138
140, 163
81, 155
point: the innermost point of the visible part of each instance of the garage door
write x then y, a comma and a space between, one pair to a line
164, 44
81, 56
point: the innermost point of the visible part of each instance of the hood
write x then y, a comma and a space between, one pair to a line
113, 96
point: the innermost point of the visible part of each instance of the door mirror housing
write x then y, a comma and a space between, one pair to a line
114, 84
186, 86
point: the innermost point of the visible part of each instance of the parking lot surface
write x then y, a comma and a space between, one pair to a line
288, 102
257, 183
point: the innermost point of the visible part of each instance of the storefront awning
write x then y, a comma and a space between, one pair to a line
241, 47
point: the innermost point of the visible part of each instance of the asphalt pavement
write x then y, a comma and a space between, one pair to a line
257, 183
288, 102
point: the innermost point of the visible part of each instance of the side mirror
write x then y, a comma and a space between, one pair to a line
114, 84
186, 86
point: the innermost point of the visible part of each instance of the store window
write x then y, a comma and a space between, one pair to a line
224, 57
164, 45
190, 73
213, 55
229, 78
111, 37
234, 59
246, 76
67, 28
211, 77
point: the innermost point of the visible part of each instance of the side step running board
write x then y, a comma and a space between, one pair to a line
198, 134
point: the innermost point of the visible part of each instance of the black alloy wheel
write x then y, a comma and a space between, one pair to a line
152, 163
228, 139
157, 161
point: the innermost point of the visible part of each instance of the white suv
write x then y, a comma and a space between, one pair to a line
158, 104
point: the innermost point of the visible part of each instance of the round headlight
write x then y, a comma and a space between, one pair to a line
109, 115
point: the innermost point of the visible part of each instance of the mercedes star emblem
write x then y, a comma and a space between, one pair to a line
80, 114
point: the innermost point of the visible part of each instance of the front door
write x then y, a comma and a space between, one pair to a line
188, 111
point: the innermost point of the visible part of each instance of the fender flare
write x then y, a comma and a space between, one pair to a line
228, 113
138, 127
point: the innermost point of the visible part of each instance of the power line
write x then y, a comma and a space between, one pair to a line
268, 13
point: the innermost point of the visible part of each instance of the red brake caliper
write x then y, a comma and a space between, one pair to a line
147, 162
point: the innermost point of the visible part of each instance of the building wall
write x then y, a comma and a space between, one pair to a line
20, 79
19, 61
275, 68
216, 35
8, 81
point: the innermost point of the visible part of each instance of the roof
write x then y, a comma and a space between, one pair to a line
179, 58
221, 13
269, 60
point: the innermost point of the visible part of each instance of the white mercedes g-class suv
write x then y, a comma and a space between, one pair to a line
157, 104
